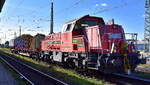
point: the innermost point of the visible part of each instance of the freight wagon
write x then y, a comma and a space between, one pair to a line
11, 43
35, 46
28, 45
22, 43
7, 44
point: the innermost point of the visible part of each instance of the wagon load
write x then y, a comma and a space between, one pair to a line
23, 42
36, 42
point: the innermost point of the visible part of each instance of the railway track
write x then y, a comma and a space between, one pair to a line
36, 77
121, 79
33, 76
131, 79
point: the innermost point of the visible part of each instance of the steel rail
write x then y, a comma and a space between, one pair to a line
42, 73
17, 71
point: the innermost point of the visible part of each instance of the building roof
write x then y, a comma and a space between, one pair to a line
1, 4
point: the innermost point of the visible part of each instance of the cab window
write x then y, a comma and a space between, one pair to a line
91, 22
85, 23
68, 27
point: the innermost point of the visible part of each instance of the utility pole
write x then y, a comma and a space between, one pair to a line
19, 30
147, 26
51, 20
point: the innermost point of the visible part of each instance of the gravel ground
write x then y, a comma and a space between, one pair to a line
5, 77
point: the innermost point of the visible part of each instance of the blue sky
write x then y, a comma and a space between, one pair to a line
33, 15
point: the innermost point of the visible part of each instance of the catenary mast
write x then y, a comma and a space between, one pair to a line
147, 26
51, 21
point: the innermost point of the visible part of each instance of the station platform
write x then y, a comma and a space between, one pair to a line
5, 77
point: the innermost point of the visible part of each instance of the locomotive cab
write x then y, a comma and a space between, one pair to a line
74, 31
81, 23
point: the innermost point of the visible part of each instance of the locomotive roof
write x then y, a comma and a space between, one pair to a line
86, 16
73, 22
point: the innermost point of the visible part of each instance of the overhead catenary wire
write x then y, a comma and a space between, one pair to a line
75, 4
70, 7
109, 9
124, 4
33, 11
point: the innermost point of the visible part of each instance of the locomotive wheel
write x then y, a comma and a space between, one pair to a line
80, 67
41, 56
70, 63
50, 59
36, 57
65, 65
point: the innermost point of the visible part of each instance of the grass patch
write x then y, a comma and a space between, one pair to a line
143, 68
67, 74
145, 75
142, 72
14, 74
145, 65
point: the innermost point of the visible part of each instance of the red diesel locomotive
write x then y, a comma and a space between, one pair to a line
84, 43
89, 43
